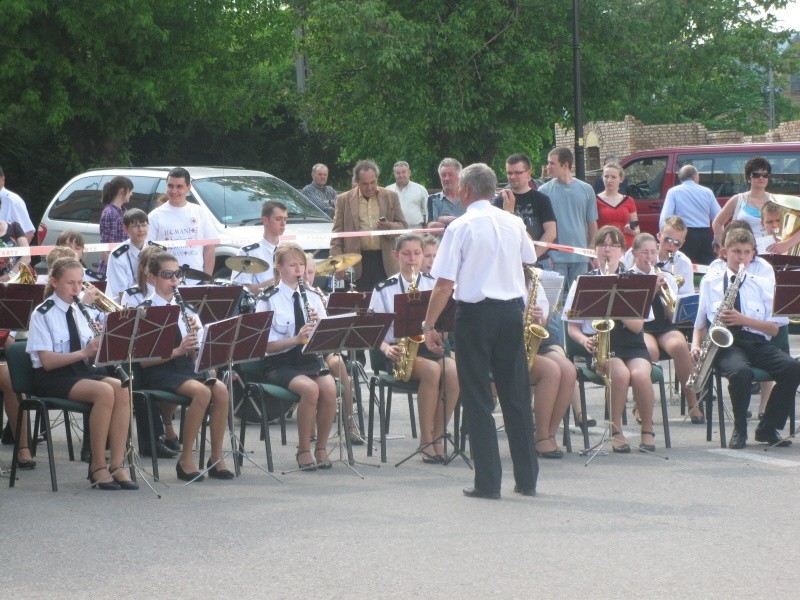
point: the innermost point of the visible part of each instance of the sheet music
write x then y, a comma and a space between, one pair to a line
686, 309
553, 285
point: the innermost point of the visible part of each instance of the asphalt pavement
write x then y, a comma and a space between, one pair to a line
703, 524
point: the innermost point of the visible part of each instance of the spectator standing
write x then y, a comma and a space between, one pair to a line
614, 207
444, 207
116, 195
599, 185
413, 197
13, 208
698, 207
318, 191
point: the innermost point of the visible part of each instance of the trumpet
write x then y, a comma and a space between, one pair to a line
102, 303
669, 299
209, 379
679, 279
123, 377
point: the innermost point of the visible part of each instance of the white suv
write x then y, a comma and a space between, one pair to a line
232, 195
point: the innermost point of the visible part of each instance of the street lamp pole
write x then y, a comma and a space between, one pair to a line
580, 167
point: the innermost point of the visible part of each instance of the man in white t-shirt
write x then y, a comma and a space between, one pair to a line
413, 197
13, 209
178, 219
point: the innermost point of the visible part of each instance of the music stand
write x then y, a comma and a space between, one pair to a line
17, 302
137, 335
232, 341
410, 310
782, 262
623, 296
787, 293
686, 310
212, 303
340, 303
354, 331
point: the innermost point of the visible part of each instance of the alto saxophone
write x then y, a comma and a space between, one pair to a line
533, 333
718, 336
407, 346
602, 343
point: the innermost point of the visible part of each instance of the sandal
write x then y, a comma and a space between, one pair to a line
697, 419
323, 464
624, 447
590, 422
312, 466
548, 453
647, 447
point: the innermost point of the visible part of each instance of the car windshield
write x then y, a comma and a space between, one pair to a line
236, 199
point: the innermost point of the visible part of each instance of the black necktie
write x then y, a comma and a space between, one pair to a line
74, 336
737, 304
299, 318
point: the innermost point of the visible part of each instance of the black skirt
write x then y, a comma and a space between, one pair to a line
626, 344
170, 375
660, 323
281, 368
57, 383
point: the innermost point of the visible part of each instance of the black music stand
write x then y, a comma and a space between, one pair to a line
228, 342
354, 331
410, 310
17, 302
212, 303
137, 335
623, 296
340, 303
782, 262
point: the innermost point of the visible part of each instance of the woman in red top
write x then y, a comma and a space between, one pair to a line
614, 208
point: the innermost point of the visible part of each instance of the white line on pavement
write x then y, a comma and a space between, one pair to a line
762, 457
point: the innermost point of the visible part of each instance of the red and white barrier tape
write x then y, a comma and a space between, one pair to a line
593, 254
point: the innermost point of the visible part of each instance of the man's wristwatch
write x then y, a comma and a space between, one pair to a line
425, 328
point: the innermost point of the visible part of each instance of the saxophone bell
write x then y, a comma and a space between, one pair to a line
408, 347
533, 333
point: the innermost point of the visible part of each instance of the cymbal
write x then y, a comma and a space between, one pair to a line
334, 264
189, 273
246, 264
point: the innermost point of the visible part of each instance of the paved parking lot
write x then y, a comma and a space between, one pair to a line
703, 524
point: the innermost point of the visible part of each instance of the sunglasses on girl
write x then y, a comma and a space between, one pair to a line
170, 274
671, 240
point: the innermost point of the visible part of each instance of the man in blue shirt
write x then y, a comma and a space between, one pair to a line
444, 207
697, 206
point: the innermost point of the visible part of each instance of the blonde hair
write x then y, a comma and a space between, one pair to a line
642, 238
676, 223
59, 266
284, 250
770, 207
59, 252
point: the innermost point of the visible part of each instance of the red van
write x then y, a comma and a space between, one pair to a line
652, 172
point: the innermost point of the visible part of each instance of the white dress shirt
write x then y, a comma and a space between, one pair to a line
121, 270
13, 208
48, 328
756, 295
156, 300
382, 300
483, 251
262, 249
679, 266
413, 201
758, 266
281, 302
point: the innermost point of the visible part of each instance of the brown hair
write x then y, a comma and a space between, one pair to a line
770, 207
141, 269
606, 231
71, 236
735, 224
617, 166
641, 239
155, 262
676, 223
57, 272
59, 252
407, 237
739, 236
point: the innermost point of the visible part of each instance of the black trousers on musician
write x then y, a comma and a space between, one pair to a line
698, 245
752, 350
489, 337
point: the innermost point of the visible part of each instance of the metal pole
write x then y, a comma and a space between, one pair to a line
580, 168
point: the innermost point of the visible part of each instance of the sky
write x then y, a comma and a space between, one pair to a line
789, 17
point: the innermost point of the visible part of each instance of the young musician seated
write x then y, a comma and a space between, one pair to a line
337, 366
24, 459
661, 333
752, 324
141, 289
757, 266
671, 237
62, 346
629, 363
74, 239
772, 222
430, 246
177, 375
285, 365
123, 261
426, 368
554, 376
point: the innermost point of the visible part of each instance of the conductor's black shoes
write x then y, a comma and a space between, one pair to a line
525, 491
765, 433
476, 493
738, 438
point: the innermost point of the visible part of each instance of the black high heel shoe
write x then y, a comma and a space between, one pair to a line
123, 485
324, 464
184, 476
102, 485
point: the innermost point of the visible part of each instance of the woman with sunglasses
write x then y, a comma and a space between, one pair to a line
176, 374
747, 205
629, 362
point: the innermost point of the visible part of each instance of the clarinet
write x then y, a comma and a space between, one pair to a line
208, 379
323, 369
123, 377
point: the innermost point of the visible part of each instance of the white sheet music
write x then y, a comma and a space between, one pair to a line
553, 285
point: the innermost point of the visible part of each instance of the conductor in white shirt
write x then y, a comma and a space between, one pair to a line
481, 256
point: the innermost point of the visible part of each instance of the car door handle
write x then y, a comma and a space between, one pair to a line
655, 205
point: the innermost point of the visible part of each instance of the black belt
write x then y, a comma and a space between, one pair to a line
487, 301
